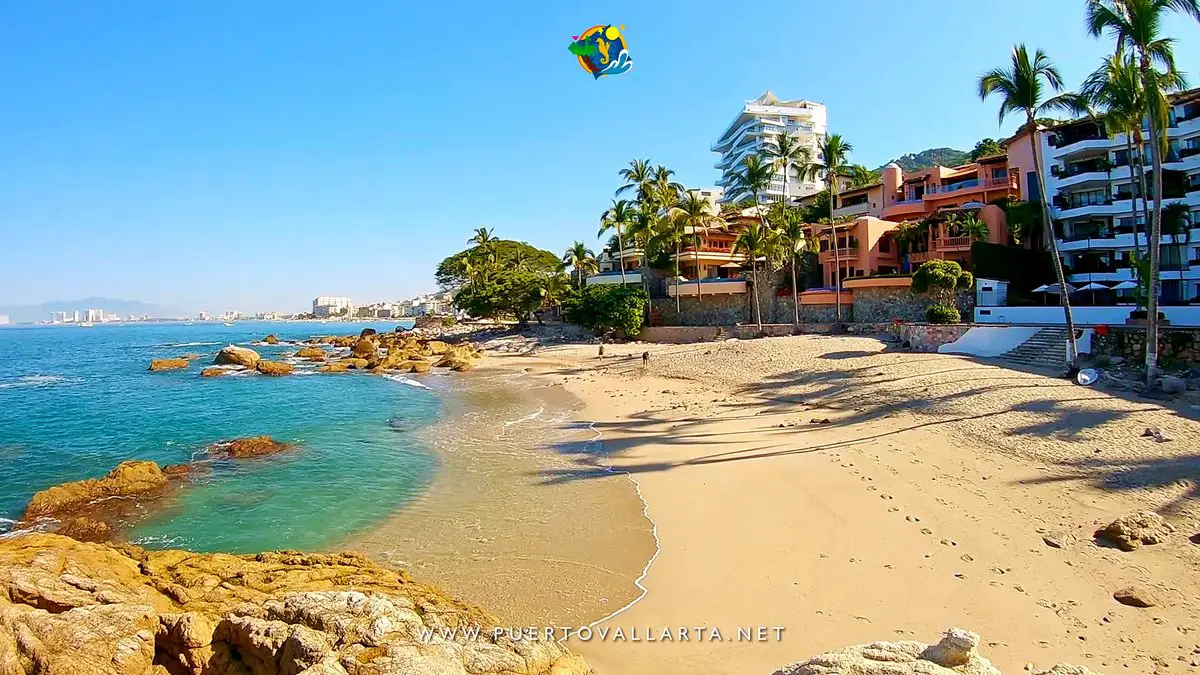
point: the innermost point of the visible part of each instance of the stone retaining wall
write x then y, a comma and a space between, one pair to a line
887, 303
712, 310
927, 337
1177, 347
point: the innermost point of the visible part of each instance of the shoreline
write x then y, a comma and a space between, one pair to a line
923, 502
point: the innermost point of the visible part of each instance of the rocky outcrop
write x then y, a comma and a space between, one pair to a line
367, 331
128, 479
275, 368
957, 653
214, 371
420, 366
1129, 532
359, 364
241, 448
335, 367
169, 364
365, 348
271, 340
70, 607
237, 356
310, 352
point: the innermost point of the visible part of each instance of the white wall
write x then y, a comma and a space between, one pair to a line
989, 340
1052, 315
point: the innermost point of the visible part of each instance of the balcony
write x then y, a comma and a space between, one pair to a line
826, 257
615, 278
918, 257
1004, 182
707, 286
952, 244
852, 210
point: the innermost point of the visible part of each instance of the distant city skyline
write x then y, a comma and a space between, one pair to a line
219, 156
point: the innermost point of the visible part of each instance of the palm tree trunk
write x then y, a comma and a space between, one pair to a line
696, 260
757, 306
795, 294
1133, 202
1142, 189
837, 261
621, 255
1155, 242
1072, 349
676, 279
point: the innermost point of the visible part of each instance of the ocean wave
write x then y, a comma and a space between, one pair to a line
188, 344
528, 418
39, 381
405, 380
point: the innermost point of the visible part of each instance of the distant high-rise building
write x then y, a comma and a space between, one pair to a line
74, 316
761, 120
4, 320
95, 315
330, 305
203, 316
59, 317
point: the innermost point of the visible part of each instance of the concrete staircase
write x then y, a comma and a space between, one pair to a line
1047, 349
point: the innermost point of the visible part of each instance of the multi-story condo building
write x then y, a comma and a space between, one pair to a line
759, 120
331, 305
1097, 204
96, 315
4, 321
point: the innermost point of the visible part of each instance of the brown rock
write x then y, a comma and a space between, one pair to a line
120, 611
256, 446
356, 363
190, 357
316, 359
364, 348
213, 371
435, 348
127, 479
175, 471
1129, 532
420, 366
274, 368
169, 364
237, 356
83, 528
1136, 596
367, 331
334, 367
271, 340
310, 352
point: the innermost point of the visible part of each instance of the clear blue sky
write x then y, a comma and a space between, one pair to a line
226, 154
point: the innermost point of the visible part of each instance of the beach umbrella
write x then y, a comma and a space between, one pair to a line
1053, 288
1125, 286
1093, 287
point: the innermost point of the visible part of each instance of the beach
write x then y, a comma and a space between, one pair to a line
845, 493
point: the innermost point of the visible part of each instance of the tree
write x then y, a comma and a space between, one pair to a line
555, 289
791, 230
608, 307
1177, 223
971, 226
1021, 88
580, 259
942, 280
515, 293
784, 151
861, 176
987, 147
695, 217
754, 242
753, 179
618, 217
834, 154
483, 237
481, 261
1135, 26
637, 177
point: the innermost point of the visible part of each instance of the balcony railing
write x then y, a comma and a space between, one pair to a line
953, 244
706, 286
1002, 182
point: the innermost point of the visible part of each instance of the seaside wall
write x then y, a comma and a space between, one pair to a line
1176, 347
881, 304
927, 337
712, 310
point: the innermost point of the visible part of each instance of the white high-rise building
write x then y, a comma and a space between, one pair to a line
759, 120
94, 315
1097, 206
4, 320
330, 305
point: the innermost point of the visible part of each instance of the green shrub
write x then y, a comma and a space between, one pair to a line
608, 307
942, 314
448, 321
942, 280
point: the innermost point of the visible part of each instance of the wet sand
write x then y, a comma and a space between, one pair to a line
492, 530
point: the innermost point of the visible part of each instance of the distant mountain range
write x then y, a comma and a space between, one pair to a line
123, 308
927, 158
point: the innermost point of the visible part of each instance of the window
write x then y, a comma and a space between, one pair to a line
1000, 173
885, 245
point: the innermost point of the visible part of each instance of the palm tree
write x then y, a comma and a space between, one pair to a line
786, 150
581, 259
1135, 26
618, 217
791, 231
695, 217
483, 237
1178, 224
752, 179
637, 177
554, 288
833, 164
1021, 88
971, 226
755, 243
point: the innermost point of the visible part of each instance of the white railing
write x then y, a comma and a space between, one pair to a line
707, 286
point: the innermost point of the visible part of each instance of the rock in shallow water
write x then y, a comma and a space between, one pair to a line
237, 356
126, 480
169, 364
88, 608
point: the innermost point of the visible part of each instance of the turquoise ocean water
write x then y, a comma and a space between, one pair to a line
74, 402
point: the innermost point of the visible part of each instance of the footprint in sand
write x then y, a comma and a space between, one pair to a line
912, 519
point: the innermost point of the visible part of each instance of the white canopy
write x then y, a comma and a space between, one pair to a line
1125, 286
1053, 288
1093, 286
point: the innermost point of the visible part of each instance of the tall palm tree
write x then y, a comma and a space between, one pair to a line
1021, 89
581, 259
784, 151
554, 288
1115, 89
752, 179
795, 240
1135, 25
833, 164
482, 237
638, 177
694, 215
971, 226
618, 217
754, 242
1177, 224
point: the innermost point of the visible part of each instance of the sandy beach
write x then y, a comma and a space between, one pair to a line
926, 500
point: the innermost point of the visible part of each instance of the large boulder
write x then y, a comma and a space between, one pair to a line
1129, 532
367, 331
358, 364
214, 371
256, 446
275, 368
365, 348
128, 479
420, 366
310, 352
271, 340
237, 356
75, 608
169, 364
334, 367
